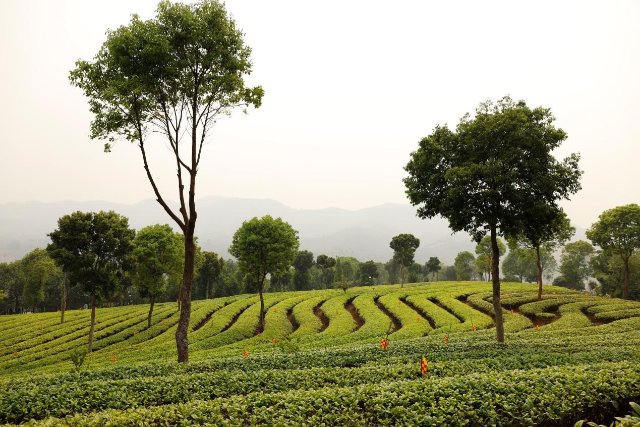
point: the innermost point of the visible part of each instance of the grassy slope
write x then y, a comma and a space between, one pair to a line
304, 370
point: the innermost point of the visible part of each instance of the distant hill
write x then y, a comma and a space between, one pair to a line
364, 233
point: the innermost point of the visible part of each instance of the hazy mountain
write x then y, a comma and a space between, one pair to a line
364, 234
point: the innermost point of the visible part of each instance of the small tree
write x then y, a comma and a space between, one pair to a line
158, 253
404, 249
38, 268
483, 176
210, 271
325, 263
302, 263
368, 272
264, 246
547, 228
575, 265
433, 266
464, 265
94, 248
175, 75
618, 231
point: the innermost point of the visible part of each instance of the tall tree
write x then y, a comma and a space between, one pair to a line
210, 271
158, 253
618, 231
483, 175
404, 249
433, 266
94, 249
547, 228
575, 265
175, 74
302, 263
264, 246
485, 255
464, 265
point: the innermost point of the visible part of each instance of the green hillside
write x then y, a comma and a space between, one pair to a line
319, 360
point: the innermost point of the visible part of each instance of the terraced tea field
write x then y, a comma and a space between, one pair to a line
319, 360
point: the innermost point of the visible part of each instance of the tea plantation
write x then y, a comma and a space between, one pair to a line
321, 360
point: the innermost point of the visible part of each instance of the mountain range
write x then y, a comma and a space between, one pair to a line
364, 233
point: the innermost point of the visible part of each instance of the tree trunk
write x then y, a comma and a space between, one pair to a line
261, 319
206, 290
93, 323
63, 298
539, 265
401, 275
152, 301
495, 275
185, 296
625, 289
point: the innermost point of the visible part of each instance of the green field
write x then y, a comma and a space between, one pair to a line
319, 360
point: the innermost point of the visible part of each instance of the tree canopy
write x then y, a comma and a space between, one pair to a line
484, 175
618, 231
94, 248
264, 246
404, 249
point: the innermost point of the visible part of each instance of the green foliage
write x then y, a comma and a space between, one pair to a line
485, 255
209, 272
574, 264
264, 246
302, 263
464, 265
77, 357
433, 266
618, 231
368, 272
404, 248
158, 253
37, 268
94, 248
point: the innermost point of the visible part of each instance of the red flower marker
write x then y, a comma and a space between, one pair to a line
446, 339
245, 354
384, 343
424, 366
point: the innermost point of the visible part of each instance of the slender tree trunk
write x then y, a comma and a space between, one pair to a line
185, 296
625, 289
93, 323
495, 274
63, 298
261, 319
401, 275
152, 301
539, 265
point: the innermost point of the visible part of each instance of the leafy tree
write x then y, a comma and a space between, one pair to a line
38, 268
608, 269
302, 263
618, 231
325, 263
464, 265
94, 249
158, 253
209, 272
448, 273
404, 248
368, 272
175, 74
485, 255
547, 228
12, 283
433, 267
483, 176
264, 246
341, 281
574, 264
519, 264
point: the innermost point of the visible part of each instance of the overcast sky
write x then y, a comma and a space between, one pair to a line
350, 89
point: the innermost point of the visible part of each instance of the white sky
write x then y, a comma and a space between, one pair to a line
351, 87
